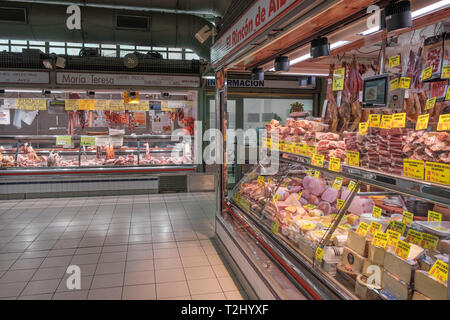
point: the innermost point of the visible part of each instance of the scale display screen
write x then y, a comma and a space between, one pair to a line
376, 91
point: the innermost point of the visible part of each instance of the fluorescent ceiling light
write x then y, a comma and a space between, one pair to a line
305, 74
369, 31
208, 77
24, 91
338, 44
431, 7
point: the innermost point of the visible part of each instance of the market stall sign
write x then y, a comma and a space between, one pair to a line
395, 84
397, 226
63, 140
352, 158
407, 218
380, 240
141, 106
422, 122
429, 241
338, 79
437, 172
414, 168
376, 212
414, 237
31, 104
318, 254
399, 120
434, 216
86, 104
363, 128
334, 164
374, 227
340, 204
402, 249
444, 122
386, 121
374, 121
405, 82
87, 141
427, 72
430, 103
393, 237
445, 72
338, 183
362, 229
394, 61
317, 160
439, 271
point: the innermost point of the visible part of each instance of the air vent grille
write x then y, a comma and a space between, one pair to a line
172, 184
132, 22
17, 15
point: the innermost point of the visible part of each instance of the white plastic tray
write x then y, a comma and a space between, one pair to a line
432, 227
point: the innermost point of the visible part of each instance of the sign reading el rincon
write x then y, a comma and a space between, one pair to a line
258, 16
112, 79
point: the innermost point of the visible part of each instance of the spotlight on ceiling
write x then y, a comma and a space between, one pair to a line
305, 81
258, 74
282, 64
46, 93
320, 47
398, 15
90, 94
2, 92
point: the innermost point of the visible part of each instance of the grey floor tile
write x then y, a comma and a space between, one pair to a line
139, 292
27, 263
45, 296
71, 295
105, 294
139, 277
17, 276
63, 261
49, 273
110, 267
107, 281
40, 287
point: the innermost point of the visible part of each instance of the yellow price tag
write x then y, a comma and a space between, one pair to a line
429, 241
338, 79
445, 72
351, 186
405, 82
408, 218
317, 174
299, 195
261, 180
338, 183
63, 140
439, 271
430, 103
352, 158
438, 173
376, 212
397, 226
374, 227
380, 240
363, 128
374, 121
362, 230
402, 249
414, 237
340, 204
444, 122
386, 121
317, 160
447, 95
275, 227
310, 206
310, 150
394, 61
393, 237
427, 72
318, 255
87, 141
434, 216
414, 168
289, 147
399, 120
394, 84
264, 143
334, 164
275, 198
422, 122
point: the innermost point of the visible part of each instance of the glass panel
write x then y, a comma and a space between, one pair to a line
175, 49
123, 53
188, 50
73, 51
175, 56
127, 47
39, 43
17, 48
57, 50
18, 42
109, 53
144, 48
4, 48
109, 46
4, 40
191, 56
91, 45
159, 48
164, 54
38, 47
73, 44
61, 44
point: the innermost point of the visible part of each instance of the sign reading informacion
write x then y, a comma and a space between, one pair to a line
255, 19
118, 79
247, 83
24, 77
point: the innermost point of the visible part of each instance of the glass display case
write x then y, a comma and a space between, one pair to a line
354, 235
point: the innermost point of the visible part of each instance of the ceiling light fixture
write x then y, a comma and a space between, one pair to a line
398, 15
258, 74
282, 63
320, 47
432, 7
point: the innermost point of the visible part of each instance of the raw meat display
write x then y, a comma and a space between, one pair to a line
428, 146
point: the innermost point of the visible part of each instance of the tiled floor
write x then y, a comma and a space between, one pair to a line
127, 247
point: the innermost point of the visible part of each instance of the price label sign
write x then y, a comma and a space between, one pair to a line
422, 122
318, 254
310, 151
408, 218
352, 158
298, 148
299, 195
445, 72
395, 84
405, 82
264, 142
402, 249
269, 143
394, 61
386, 121
444, 122
289, 146
437, 172
393, 237
380, 240
434, 216
261, 180
427, 72
363, 128
376, 212
397, 226
399, 120
340, 204
275, 198
414, 237
374, 121
317, 160
374, 227
362, 230
351, 186
429, 241
334, 164
439, 271
87, 141
338, 183
317, 174
275, 227
414, 168
338, 79
447, 95
63, 140
430, 103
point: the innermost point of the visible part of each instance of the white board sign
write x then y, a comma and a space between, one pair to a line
25, 77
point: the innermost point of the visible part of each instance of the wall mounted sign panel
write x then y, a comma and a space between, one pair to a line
25, 77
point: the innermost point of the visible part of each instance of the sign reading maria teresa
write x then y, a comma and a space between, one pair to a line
267, 84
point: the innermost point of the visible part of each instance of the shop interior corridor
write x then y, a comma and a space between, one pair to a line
127, 247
